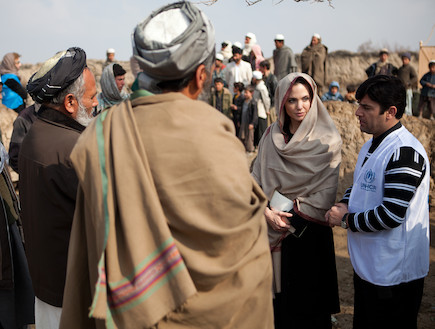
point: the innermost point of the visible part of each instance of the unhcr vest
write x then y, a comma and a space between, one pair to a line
397, 255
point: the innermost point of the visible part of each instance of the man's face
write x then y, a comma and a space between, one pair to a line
218, 64
219, 86
247, 40
263, 70
110, 57
120, 81
85, 106
432, 69
314, 41
237, 57
248, 94
370, 121
279, 44
383, 57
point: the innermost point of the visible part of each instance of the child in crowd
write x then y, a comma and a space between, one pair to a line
333, 94
249, 120
236, 107
427, 96
350, 96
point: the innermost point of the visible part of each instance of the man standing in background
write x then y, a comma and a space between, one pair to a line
313, 61
283, 58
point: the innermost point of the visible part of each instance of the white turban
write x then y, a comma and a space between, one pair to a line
172, 42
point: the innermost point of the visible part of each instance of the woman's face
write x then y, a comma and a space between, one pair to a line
298, 103
17, 63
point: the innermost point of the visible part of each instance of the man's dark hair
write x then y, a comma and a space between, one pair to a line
219, 80
250, 88
385, 90
265, 64
239, 85
237, 50
350, 88
118, 70
179, 84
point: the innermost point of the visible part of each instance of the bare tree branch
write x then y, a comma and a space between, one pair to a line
253, 2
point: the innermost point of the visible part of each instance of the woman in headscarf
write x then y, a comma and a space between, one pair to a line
256, 57
112, 87
14, 94
299, 157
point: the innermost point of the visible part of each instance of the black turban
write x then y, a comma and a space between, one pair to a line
57, 74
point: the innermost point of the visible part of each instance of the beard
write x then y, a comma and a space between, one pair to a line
83, 117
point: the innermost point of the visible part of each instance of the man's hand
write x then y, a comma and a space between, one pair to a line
334, 215
277, 219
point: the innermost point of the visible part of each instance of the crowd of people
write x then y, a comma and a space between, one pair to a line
137, 207
248, 66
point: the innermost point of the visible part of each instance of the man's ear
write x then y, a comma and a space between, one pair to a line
70, 103
391, 112
200, 76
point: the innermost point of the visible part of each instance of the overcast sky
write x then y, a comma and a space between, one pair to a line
37, 29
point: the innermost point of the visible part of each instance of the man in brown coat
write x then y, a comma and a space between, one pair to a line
169, 230
48, 183
313, 61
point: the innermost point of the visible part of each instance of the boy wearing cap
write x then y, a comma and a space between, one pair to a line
219, 69
408, 76
333, 94
427, 96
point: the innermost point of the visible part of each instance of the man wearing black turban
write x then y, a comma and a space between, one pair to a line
65, 89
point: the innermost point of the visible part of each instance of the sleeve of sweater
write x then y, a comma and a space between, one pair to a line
403, 174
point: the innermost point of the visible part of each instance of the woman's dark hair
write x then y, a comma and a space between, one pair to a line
385, 90
306, 84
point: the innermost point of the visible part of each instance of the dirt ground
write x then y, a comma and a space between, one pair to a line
426, 318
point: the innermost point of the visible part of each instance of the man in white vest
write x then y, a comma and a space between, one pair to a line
386, 212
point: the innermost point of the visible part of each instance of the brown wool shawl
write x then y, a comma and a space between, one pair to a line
183, 177
307, 167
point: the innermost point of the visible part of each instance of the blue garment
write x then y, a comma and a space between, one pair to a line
426, 91
329, 96
10, 98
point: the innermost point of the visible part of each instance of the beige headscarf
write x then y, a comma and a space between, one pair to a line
8, 64
306, 167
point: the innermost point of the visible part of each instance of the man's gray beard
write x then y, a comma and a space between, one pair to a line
83, 117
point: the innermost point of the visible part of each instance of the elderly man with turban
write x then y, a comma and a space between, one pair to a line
169, 230
66, 90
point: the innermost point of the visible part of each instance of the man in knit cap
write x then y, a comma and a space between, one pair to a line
169, 228
66, 90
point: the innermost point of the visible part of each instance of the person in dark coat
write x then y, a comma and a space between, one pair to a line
48, 183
